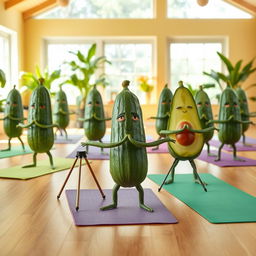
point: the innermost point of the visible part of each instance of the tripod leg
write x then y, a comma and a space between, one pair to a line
78, 186
94, 177
66, 180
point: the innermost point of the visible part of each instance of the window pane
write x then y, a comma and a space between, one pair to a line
189, 60
215, 9
129, 61
102, 9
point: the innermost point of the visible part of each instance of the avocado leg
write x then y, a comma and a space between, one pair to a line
172, 170
208, 150
51, 160
234, 154
219, 152
141, 198
196, 175
157, 147
114, 196
22, 144
34, 162
9, 145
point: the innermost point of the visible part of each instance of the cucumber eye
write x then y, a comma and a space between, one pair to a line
14, 104
135, 118
163, 102
63, 101
8, 102
227, 105
33, 105
235, 104
42, 106
199, 104
121, 118
97, 103
206, 104
89, 103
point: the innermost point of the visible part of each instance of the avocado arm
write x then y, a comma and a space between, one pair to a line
220, 121
101, 119
104, 145
45, 125
25, 125
149, 144
209, 129
159, 117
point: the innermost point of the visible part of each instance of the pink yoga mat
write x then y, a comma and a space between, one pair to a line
128, 211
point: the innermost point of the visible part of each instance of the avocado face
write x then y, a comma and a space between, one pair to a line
184, 112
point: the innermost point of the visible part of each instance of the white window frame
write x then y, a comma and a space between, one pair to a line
205, 39
100, 41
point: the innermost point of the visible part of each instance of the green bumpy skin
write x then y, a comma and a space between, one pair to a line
40, 126
230, 126
13, 114
94, 118
244, 109
61, 112
163, 110
205, 112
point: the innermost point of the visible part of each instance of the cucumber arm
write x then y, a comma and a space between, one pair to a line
209, 129
104, 145
45, 125
16, 118
101, 119
85, 119
63, 112
243, 122
25, 125
220, 121
148, 144
169, 132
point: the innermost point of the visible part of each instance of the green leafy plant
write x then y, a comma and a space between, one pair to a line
30, 81
2, 101
2, 78
84, 69
204, 86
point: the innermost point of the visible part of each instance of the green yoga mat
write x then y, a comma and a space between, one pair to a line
15, 151
42, 168
222, 203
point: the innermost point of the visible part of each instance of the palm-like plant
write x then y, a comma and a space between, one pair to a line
84, 68
2, 78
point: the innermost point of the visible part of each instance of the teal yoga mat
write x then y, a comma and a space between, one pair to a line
15, 151
222, 203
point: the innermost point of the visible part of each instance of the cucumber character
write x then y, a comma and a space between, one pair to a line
94, 117
13, 115
61, 112
205, 115
163, 110
185, 127
128, 156
230, 122
40, 127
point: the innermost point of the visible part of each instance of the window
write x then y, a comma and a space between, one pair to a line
130, 59
111, 9
8, 60
215, 9
189, 59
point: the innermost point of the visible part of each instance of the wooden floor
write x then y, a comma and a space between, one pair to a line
33, 222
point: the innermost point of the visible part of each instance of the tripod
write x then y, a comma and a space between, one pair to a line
80, 154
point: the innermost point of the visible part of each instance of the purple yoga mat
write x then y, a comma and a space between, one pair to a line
72, 139
239, 145
226, 159
127, 212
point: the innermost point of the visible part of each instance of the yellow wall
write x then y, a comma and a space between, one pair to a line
13, 20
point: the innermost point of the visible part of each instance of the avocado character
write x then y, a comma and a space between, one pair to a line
128, 156
184, 126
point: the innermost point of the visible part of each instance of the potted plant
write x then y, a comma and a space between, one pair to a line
145, 85
84, 69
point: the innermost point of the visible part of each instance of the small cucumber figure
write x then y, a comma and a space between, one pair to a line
230, 122
94, 118
61, 112
13, 115
128, 156
205, 114
244, 110
185, 127
40, 127
163, 110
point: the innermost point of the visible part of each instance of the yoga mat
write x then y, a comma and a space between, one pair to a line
226, 159
127, 212
222, 203
42, 168
15, 151
94, 153
72, 139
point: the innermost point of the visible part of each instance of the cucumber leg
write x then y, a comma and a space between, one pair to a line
141, 198
219, 152
196, 175
66, 134
244, 143
101, 149
9, 145
34, 162
208, 150
51, 160
114, 196
22, 144
234, 154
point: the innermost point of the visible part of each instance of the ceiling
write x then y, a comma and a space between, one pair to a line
29, 8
